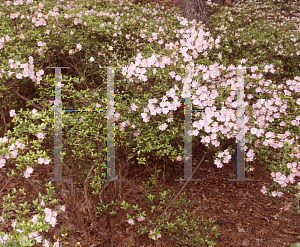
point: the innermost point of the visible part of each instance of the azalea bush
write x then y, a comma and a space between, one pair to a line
148, 83
27, 231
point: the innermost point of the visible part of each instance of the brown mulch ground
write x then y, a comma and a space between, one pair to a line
245, 216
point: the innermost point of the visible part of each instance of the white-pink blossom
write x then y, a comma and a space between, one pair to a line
41, 160
38, 239
14, 223
29, 170
40, 135
141, 218
34, 219
79, 46
130, 221
46, 243
12, 113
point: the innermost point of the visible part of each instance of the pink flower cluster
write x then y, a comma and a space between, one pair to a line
28, 70
4, 238
153, 235
50, 218
286, 208
38, 20
14, 152
282, 180
142, 218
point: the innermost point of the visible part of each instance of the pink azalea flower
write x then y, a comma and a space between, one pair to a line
46, 243
34, 219
14, 154
4, 140
141, 218
28, 172
41, 135
14, 223
130, 221
12, 113
40, 160
56, 244
46, 161
38, 239
79, 46
286, 207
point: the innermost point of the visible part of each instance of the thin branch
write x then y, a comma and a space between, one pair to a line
12, 84
24, 98
102, 190
71, 65
86, 192
72, 185
6, 184
69, 205
3, 116
29, 181
181, 188
33, 185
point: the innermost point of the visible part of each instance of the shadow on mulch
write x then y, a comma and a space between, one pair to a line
244, 215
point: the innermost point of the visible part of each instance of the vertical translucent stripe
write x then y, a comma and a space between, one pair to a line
110, 124
240, 133
187, 125
240, 137
57, 127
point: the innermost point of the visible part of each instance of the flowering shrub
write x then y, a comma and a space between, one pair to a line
149, 112
26, 232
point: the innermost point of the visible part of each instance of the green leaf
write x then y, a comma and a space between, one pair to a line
295, 245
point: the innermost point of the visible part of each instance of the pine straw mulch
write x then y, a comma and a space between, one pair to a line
245, 216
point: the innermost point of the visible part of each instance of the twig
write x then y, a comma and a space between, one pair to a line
33, 185
28, 180
126, 185
6, 184
72, 185
3, 116
86, 192
102, 190
9, 180
75, 67
181, 188
264, 218
69, 205
24, 98
12, 84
